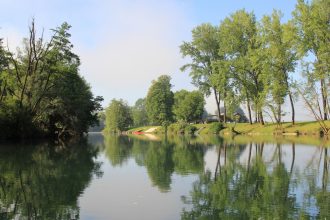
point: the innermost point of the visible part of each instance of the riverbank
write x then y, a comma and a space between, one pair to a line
311, 128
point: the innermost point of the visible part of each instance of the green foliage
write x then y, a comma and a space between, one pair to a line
118, 116
215, 127
159, 101
203, 50
188, 106
205, 69
139, 113
182, 127
41, 91
280, 60
241, 46
190, 129
311, 22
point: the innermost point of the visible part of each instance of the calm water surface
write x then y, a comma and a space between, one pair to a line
148, 177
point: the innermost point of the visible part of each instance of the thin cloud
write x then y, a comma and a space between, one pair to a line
139, 42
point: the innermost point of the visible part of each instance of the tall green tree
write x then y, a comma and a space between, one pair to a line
311, 19
203, 51
280, 61
241, 48
188, 106
118, 116
139, 113
159, 101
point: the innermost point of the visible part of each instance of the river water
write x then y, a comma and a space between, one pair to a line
150, 177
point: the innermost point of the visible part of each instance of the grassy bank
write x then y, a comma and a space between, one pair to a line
300, 128
143, 129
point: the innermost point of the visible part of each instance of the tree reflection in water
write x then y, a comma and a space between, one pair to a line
250, 179
259, 189
43, 181
160, 157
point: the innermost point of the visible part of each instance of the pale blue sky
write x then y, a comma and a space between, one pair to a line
124, 44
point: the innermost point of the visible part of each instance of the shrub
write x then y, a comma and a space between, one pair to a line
190, 129
181, 127
172, 128
216, 127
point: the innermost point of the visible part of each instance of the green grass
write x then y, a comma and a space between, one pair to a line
302, 128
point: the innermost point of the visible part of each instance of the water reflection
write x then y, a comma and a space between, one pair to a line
43, 181
255, 185
160, 157
251, 178
206, 177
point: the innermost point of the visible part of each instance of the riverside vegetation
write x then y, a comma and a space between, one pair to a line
245, 61
42, 93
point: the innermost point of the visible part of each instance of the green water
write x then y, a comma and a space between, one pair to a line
149, 177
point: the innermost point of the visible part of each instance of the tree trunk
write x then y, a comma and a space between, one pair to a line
292, 107
256, 115
249, 110
225, 111
324, 100
217, 100
279, 111
261, 118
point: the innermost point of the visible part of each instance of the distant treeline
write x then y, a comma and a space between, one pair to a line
160, 107
246, 61
41, 91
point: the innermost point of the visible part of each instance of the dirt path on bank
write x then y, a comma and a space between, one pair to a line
150, 130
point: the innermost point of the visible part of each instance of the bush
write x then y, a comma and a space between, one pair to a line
181, 127
190, 129
172, 128
216, 127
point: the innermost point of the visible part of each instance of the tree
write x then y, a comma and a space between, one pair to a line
242, 51
280, 61
203, 51
188, 106
159, 101
118, 116
311, 19
139, 113
42, 93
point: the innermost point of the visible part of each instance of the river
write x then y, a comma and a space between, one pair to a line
151, 177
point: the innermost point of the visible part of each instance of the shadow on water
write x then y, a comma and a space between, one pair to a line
43, 180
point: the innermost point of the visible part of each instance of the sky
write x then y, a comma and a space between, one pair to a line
125, 44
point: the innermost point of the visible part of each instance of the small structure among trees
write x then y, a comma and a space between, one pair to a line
237, 116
